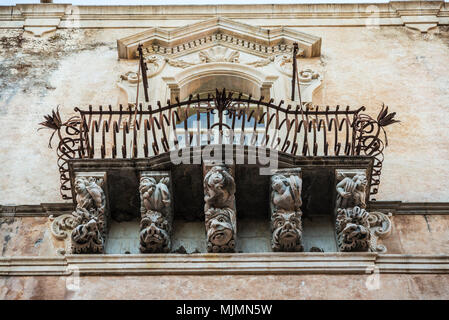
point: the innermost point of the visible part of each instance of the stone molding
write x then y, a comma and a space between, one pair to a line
395, 207
259, 83
218, 30
44, 18
217, 264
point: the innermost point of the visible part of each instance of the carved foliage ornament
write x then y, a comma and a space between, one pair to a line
356, 228
218, 54
156, 215
90, 217
285, 204
219, 210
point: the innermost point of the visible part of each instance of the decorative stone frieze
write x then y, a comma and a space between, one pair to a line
219, 54
156, 212
357, 229
219, 208
285, 204
90, 215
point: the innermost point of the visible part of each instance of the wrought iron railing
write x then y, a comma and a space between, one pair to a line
221, 118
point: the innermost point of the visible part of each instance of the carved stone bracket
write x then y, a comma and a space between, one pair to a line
285, 205
156, 212
219, 208
91, 213
357, 229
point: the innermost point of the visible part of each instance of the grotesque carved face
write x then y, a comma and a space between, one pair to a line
219, 226
287, 231
353, 233
154, 235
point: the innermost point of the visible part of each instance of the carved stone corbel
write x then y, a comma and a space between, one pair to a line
285, 205
156, 212
357, 229
90, 215
219, 208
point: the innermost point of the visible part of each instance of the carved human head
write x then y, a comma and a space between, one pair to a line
80, 184
155, 233
220, 226
360, 180
287, 231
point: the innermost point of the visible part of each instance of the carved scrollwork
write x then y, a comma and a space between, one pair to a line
380, 227
62, 226
219, 209
286, 223
155, 64
89, 234
156, 214
179, 63
307, 75
261, 62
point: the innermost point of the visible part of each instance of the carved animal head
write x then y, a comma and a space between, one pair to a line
287, 231
155, 233
220, 226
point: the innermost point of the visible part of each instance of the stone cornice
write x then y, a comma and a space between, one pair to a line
404, 208
395, 207
218, 30
42, 18
36, 210
221, 264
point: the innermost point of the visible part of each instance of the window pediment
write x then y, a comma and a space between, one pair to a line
222, 31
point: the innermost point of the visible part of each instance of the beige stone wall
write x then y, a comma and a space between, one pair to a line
391, 286
403, 68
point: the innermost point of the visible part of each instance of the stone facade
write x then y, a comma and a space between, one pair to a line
288, 245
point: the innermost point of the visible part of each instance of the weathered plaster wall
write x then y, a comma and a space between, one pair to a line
405, 69
411, 234
27, 237
391, 286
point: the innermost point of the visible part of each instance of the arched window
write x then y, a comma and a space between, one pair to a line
242, 123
